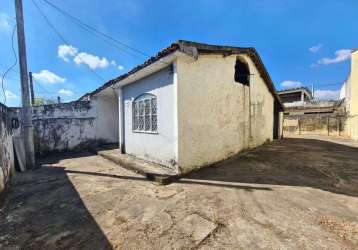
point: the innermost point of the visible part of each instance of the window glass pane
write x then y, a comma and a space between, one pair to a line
147, 123
145, 113
147, 106
154, 105
154, 122
141, 123
141, 108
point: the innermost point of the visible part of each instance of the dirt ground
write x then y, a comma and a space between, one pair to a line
291, 194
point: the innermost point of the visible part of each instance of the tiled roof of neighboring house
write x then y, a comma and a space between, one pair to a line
284, 91
193, 49
294, 89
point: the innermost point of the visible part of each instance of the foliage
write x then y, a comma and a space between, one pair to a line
42, 101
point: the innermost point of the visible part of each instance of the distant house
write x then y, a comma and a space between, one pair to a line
295, 96
192, 105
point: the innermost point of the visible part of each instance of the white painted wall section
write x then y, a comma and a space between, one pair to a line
157, 147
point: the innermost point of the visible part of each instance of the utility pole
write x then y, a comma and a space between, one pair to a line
32, 89
26, 112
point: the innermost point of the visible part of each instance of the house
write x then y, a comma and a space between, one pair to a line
193, 104
295, 96
334, 117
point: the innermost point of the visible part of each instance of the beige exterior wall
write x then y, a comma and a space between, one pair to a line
353, 105
354, 84
213, 110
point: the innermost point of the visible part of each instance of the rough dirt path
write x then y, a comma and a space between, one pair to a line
292, 194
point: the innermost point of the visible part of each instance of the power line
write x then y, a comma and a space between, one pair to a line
96, 31
59, 35
12, 66
40, 86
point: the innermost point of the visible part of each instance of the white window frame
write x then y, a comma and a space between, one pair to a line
145, 114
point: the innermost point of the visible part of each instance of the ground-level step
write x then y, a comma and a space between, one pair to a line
151, 171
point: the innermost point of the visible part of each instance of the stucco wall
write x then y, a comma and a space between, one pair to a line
351, 126
353, 109
80, 124
158, 147
213, 110
63, 126
6, 148
107, 118
354, 84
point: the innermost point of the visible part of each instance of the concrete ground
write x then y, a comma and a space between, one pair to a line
291, 194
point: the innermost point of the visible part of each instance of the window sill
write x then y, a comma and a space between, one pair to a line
145, 132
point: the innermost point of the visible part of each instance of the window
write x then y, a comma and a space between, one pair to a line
145, 113
242, 72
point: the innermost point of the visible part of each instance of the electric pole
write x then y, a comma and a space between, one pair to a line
26, 112
32, 89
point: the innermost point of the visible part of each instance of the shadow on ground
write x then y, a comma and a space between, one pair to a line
44, 211
293, 162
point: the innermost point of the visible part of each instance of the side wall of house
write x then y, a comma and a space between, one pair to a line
107, 118
6, 148
157, 147
353, 119
214, 120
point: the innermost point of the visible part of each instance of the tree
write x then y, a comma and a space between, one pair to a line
43, 101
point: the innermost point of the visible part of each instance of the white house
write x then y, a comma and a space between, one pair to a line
192, 105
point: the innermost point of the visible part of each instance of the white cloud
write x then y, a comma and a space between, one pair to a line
68, 51
91, 61
316, 48
65, 92
340, 56
291, 84
4, 22
10, 95
326, 94
65, 51
47, 76
120, 67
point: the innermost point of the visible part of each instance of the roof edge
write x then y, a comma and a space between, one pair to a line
193, 49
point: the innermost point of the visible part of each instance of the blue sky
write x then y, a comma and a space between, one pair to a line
300, 42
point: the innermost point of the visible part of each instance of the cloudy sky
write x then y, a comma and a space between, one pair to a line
301, 42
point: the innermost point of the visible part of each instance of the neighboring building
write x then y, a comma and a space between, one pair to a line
327, 117
316, 118
194, 104
295, 97
303, 115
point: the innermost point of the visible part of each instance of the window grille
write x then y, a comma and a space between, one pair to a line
145, 113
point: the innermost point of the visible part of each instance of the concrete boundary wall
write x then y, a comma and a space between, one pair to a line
6, 148
71, 126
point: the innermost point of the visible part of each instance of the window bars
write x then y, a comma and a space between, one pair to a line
145, 113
